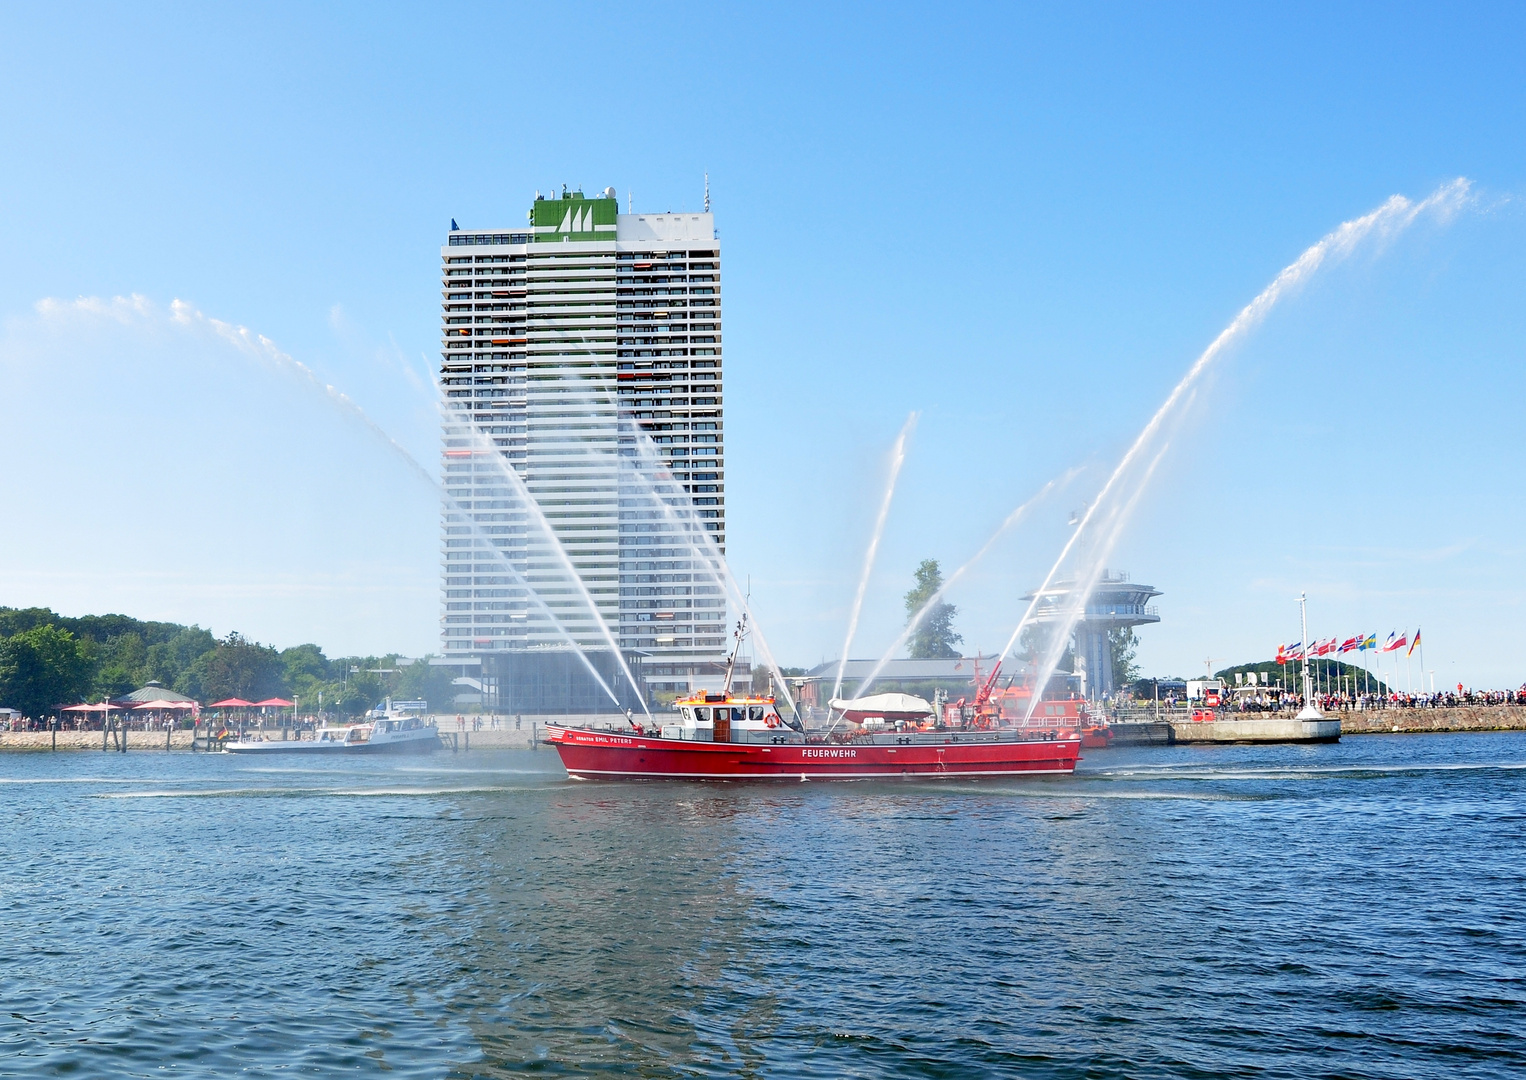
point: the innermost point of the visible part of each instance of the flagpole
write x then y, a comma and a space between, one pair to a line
1310, 711
1420, 641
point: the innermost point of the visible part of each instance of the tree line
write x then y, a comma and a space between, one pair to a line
49, 660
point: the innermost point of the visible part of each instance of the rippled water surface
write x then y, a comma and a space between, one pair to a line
1352, 910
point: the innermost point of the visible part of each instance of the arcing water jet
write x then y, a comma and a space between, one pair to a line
1395, 215
932, 601
1097, 560
897, 458
264, 349
484, 445
704, 550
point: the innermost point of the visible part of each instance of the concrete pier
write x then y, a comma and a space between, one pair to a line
1258, 730
1160, 734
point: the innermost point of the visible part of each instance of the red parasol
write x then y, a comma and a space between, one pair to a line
282, 702
232, 703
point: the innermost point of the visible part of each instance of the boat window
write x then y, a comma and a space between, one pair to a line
701, 714
738, 714
754, 712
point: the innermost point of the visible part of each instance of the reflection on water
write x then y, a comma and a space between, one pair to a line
1278, 911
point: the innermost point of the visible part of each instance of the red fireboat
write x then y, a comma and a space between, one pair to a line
726, 736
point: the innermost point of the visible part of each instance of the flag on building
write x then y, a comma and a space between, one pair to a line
1414, 643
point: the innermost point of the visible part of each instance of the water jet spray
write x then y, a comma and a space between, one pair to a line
897, 458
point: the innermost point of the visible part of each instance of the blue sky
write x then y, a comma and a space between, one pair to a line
1022, 222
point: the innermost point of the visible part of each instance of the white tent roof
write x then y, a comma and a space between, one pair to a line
883, 704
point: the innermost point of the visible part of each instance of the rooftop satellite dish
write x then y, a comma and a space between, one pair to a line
610, 193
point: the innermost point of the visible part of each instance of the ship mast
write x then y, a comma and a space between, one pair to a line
731, 662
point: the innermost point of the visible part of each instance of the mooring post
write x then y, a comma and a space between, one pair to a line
466, 741
167, 731
105, 733
53, 726
534, 736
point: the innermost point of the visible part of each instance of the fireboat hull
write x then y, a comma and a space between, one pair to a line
605, 755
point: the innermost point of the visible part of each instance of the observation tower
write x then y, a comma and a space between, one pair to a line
1115, 603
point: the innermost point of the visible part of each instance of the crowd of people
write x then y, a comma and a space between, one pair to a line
1279, 701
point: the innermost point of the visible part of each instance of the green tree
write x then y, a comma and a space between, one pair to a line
1033, 646
42, 668
421, 681
119, 665
304, 662
934, 636
1122, 645
167, 661
240, 668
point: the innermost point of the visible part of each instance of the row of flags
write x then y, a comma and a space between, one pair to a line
1287, 654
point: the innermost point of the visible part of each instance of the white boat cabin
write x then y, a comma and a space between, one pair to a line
737, 720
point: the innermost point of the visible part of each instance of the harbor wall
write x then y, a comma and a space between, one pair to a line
1462, 718
1353, 722
91, 740
505, 737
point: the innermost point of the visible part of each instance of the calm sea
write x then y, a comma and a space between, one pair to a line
1335, 911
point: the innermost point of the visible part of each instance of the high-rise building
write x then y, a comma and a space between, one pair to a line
571, 346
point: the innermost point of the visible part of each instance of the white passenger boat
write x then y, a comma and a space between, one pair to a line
390, 728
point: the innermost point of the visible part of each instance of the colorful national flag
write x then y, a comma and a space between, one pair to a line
1290, 653
1370, 643
1414, 643
1350, 644
1396, 641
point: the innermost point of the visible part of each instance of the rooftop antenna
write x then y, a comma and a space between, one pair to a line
628, 209
707, 193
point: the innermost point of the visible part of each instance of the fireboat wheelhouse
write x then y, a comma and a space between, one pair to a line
726, 736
